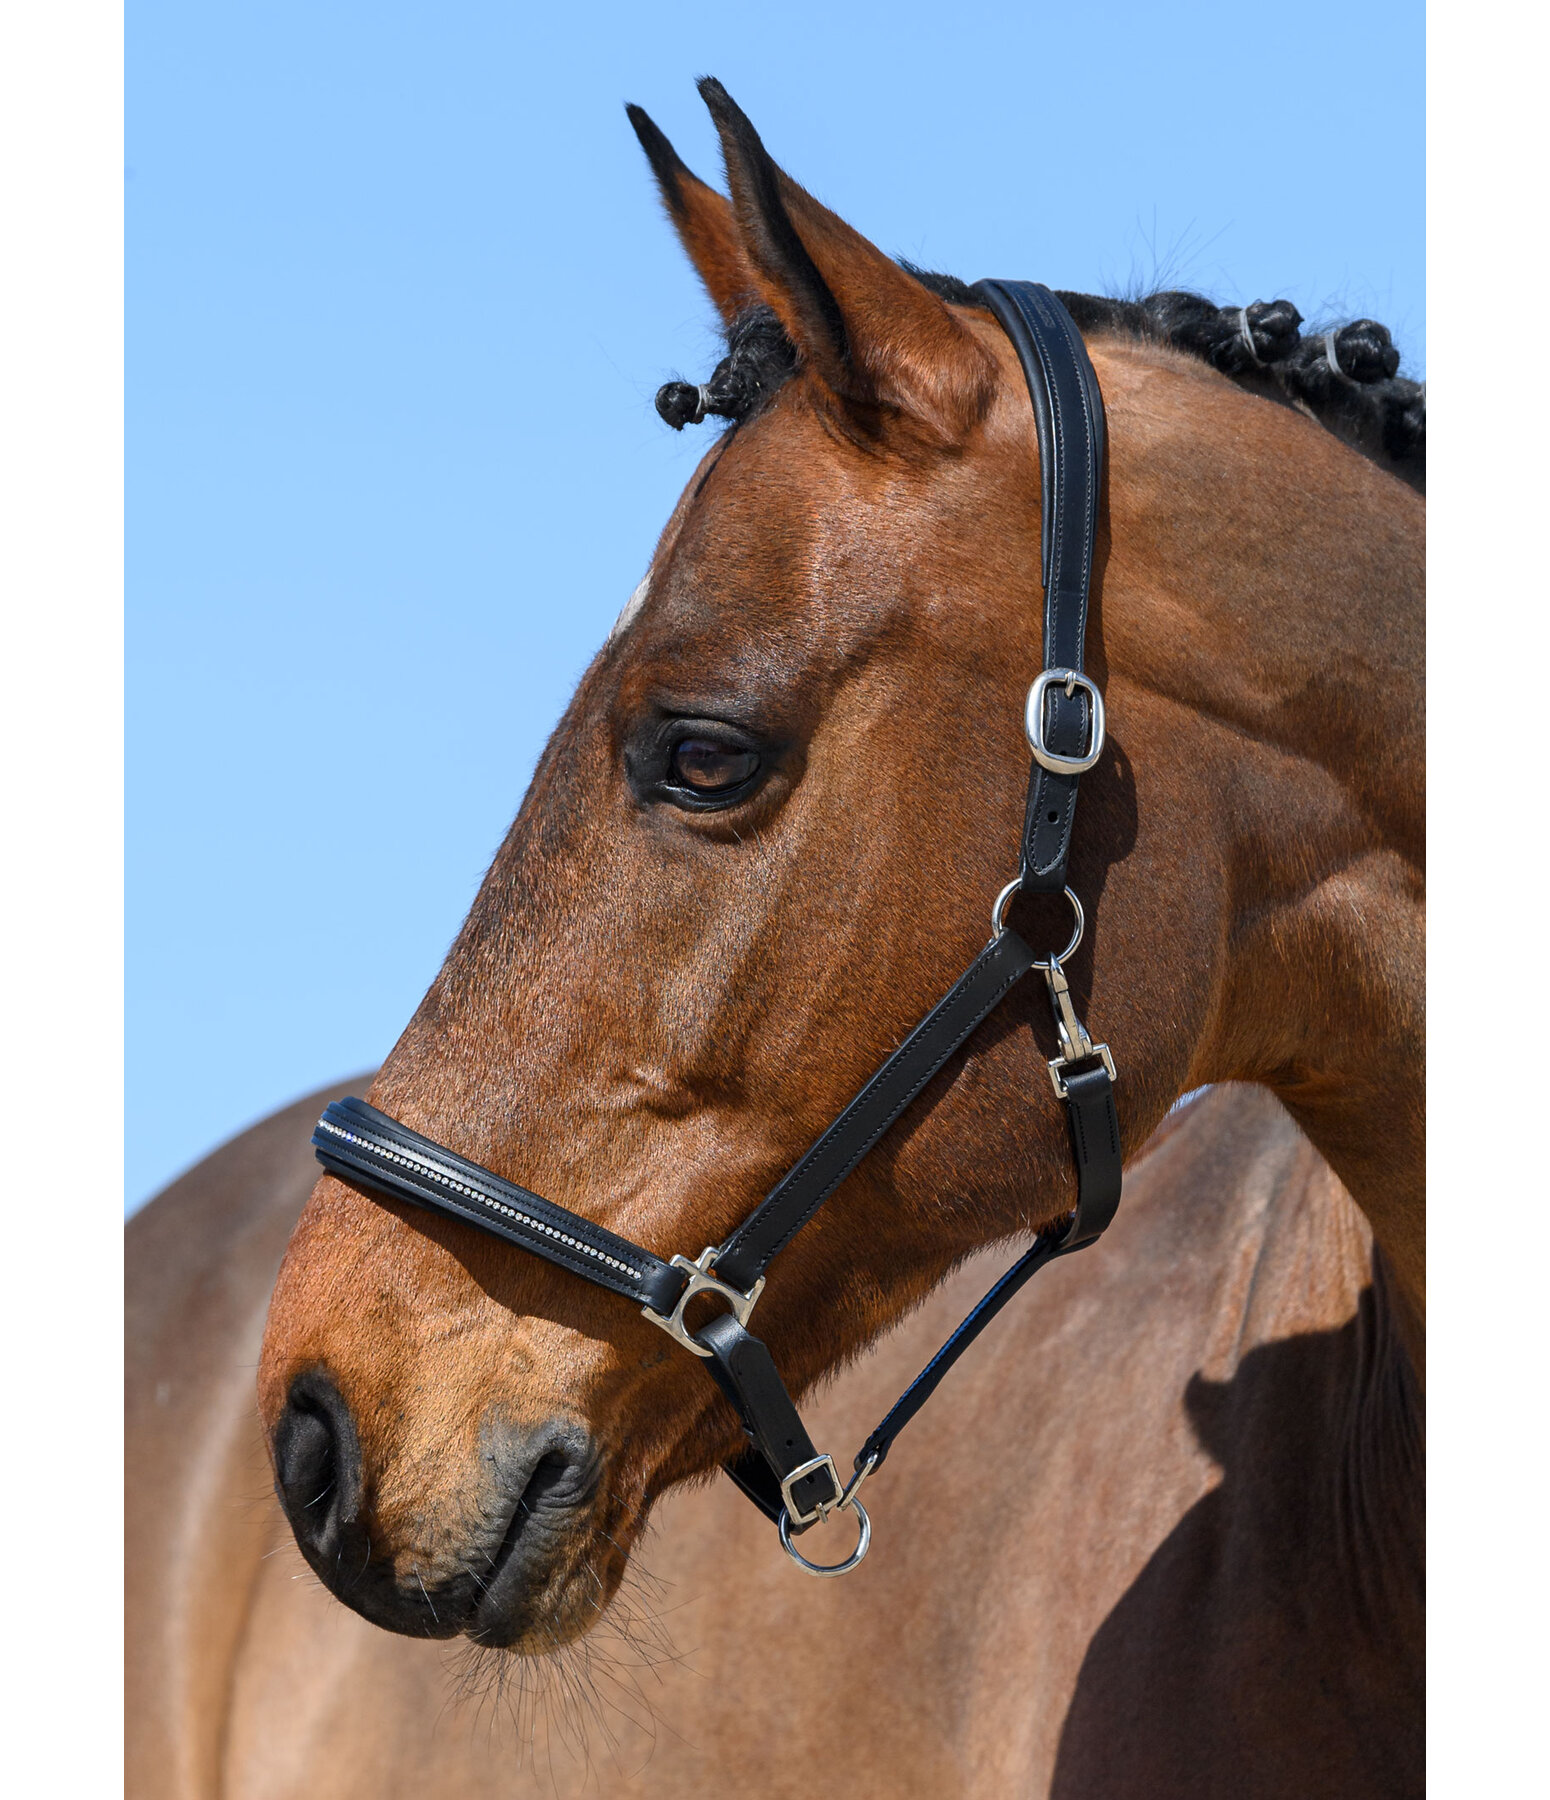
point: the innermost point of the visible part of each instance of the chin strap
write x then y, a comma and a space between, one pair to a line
782, 1472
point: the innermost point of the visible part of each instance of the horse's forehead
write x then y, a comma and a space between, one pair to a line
746, 544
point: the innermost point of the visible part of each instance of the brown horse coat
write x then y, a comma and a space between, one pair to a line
664, 990
1159, 1535
1165, 1537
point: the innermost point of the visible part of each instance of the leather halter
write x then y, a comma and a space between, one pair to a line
781, 1471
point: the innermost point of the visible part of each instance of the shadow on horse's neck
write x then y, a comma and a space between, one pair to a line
1317, 1436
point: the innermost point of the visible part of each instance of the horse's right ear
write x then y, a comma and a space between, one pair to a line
703, 220
888, 352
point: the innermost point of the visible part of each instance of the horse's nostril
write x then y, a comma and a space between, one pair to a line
499, 1526
317, 1462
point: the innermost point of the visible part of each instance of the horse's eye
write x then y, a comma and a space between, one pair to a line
706, 767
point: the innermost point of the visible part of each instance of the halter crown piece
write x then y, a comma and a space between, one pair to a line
781, 1471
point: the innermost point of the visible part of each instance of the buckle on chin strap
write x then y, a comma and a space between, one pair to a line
844, 1497
796, 1513
701, 1281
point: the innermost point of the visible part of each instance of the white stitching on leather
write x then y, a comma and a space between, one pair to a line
425, 1166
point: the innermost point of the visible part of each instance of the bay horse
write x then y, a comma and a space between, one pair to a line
761, 843
1191, 1567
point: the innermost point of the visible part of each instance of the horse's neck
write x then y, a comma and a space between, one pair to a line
1304, 1291
1325, 1006
1313, 608
1323, 998
1307, 1400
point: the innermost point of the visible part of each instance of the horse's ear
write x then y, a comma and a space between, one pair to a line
879, 341
703, 220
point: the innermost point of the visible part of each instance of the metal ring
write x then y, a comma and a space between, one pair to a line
828, 1569
998, 923
1076, 936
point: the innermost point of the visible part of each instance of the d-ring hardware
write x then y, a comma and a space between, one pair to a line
1033, 718
827, 1570
701, 1281
1078, 926
998, 909
998, 922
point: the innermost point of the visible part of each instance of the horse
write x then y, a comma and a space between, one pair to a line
760, 844
1158, 1586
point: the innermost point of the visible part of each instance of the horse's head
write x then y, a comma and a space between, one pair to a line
762, 842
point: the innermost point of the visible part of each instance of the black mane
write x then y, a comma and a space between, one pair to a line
1346, 378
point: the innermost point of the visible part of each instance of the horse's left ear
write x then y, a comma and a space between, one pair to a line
883, 345
703, 220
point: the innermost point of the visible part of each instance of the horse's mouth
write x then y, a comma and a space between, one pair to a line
542, 1585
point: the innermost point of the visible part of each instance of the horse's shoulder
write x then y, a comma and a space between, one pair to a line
200, 1261
219, 1230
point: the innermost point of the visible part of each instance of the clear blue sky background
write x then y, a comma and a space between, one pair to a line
399, 298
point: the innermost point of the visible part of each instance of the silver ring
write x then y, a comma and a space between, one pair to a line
1076, 936
998, 923
827, 1569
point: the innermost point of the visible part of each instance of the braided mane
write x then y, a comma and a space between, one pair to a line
1347, 379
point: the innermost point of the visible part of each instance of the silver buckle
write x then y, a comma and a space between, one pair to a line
824, 1507
850, 1498
1075, 1044
701, 1281
1070, 680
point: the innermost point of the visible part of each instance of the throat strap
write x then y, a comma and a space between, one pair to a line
1096, 1143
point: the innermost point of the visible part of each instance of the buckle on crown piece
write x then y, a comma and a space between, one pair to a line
1033, 719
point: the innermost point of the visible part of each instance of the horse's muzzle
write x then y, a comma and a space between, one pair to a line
489, 1556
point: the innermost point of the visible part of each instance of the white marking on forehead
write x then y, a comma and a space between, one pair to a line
632, 608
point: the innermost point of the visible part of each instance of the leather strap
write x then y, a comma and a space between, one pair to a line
362, 1144
746, 1373
365, 1146
747, 1253
1095, 1143
1046, 1247
1068, 413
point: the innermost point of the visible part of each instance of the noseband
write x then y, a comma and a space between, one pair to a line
781, 1471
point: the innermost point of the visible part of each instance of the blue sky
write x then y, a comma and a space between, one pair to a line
399, 296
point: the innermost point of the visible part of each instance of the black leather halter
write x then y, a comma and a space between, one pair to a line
782, 1472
